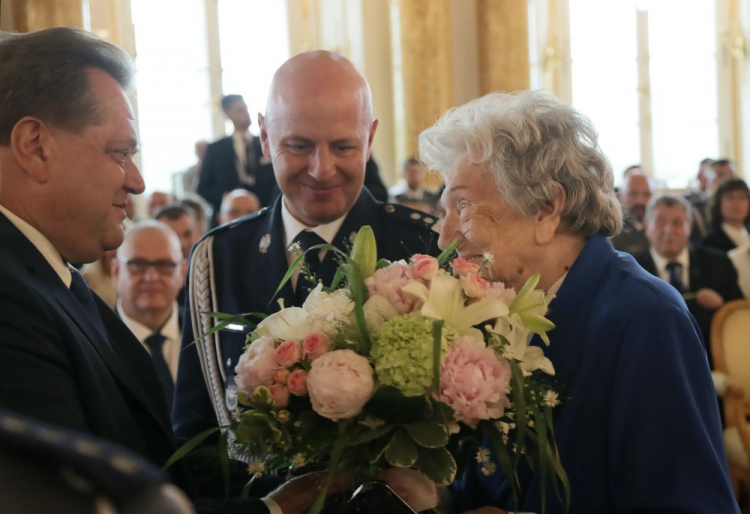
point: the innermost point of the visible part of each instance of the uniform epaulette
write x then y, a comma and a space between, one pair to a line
239, 221
411, 216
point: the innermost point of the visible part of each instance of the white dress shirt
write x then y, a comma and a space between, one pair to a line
661, 266
171, 331
741, 259
292, 228
241, 142
45, 247
739, 236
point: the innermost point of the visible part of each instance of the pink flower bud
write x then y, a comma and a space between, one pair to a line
474, 285
315, 345
297, 382
464, 267
280, 376
280, 395
425, 266
288, 353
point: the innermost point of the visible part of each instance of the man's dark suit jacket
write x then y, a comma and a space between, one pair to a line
57, 367
249, 259
718, 239
711, 269
219, 175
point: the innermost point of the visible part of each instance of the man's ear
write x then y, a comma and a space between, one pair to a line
371, 138
114, 268
264, 135
32, 145
549, 216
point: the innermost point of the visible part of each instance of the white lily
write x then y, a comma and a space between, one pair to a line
531, 305
445, 300
530, 358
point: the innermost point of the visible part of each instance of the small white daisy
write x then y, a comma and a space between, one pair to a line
551, 399
256, 467
488, 469
298, 461
483, 456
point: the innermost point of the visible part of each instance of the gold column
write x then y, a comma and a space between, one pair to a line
33, 15
503, 31
423, 80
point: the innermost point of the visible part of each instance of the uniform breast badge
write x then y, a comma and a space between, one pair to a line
265, 242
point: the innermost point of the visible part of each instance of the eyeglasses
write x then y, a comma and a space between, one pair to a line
141, 266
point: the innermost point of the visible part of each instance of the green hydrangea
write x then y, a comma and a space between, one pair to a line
402, 354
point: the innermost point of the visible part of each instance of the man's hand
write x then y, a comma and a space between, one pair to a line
299, 493
709, 299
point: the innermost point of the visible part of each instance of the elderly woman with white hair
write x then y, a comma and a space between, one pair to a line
639, 429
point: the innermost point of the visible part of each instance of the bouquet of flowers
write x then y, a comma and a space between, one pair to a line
379, 369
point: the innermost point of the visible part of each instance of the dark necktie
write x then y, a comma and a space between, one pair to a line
82, 293
250, 163
675, 276
155, 342
307, 239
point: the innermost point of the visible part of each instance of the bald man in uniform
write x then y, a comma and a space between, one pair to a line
318, 129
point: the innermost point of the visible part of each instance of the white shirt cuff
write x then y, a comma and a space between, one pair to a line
273, 507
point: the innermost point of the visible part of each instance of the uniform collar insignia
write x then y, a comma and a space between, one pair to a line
265, 242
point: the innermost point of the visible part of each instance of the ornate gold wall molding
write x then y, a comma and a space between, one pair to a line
33, 15
424, 74
503, 31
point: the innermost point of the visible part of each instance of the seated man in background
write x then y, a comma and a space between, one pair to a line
634, 197
236, 204
415, 195
705, 277
148, 274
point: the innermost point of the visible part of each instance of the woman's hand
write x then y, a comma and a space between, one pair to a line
418, 491
299, 493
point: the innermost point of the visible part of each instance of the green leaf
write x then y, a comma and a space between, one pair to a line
450, 249
296, 264
503, 456
429, 434
189, 446
382, 263
224, 461
519, 399
228, 319
370, 435
389, 404
401, 450
364, 251
438, 464
336, 453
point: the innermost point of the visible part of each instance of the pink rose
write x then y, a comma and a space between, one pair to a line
475, 381
297, 382
257, 365
474, 286
280, 376
425, 266
463, 267
340, 383
388, 282
288, 353
280, 395
315, 345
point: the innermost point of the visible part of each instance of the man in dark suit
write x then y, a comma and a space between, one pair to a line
318, 129
414, 194
705, 277
67, 139
634, 197
236, 161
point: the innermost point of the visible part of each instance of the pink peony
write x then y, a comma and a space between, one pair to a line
474, 286
280, 395
297, 382
463, 267
475, 381
288, 353
388, 283
498, 291
425, 266
257, 365
280, 376
315, 345
340, 383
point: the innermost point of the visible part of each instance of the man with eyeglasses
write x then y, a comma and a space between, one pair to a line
148, 273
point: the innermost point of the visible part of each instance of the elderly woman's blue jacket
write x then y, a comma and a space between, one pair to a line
639, 429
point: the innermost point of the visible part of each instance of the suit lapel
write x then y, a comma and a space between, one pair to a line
51, 285
273, 259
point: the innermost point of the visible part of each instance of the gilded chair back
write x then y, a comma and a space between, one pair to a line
730, 343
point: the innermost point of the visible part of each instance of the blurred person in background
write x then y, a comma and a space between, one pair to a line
236, 204
412, 192
201, 208
634, 197
156, 201
730, 212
